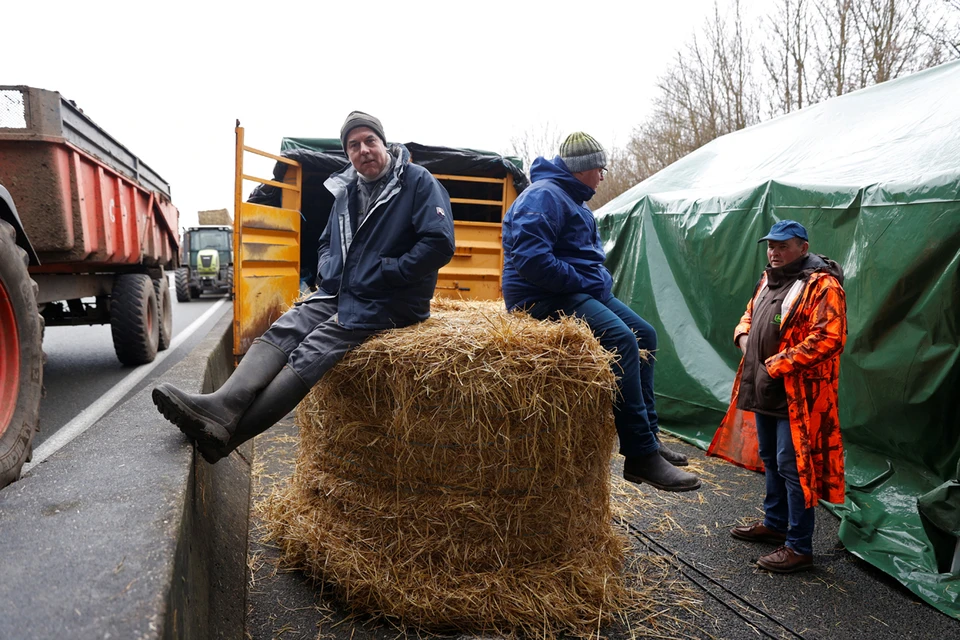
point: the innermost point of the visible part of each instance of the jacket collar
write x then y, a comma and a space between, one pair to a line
556, 170
339, 182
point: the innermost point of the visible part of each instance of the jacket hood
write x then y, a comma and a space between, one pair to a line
819, 262
556, 170
816, 262
802, 268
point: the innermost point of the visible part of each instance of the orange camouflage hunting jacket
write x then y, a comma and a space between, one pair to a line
813, 334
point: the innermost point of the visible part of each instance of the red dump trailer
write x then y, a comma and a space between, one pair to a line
86, 233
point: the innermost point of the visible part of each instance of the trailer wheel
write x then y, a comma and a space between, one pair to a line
230, 282
134, 320
182, 280
21, 357
165, 308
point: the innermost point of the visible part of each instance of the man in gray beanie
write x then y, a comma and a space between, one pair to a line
389, 232
553, 266
361, 119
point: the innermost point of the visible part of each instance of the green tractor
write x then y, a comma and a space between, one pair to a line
207, 259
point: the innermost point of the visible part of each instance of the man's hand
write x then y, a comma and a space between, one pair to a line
742, 343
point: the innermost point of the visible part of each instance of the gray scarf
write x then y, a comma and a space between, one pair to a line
368, 190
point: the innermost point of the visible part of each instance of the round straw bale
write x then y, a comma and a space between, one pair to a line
453, 475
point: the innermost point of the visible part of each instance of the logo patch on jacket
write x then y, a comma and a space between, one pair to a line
441, 213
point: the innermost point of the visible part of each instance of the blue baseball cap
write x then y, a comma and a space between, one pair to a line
784, 230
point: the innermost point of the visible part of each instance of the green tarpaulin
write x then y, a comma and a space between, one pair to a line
875, 177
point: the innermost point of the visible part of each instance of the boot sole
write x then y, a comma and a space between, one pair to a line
684, 463
210, 447
675, 489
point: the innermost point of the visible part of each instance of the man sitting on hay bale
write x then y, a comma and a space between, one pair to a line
388, 234
553, 266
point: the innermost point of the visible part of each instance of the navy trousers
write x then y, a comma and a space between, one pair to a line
619, 329
784, 505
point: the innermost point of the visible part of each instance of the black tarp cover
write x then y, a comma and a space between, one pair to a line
320, 157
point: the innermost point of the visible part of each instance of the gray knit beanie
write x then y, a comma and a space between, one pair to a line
360, 119
581, 152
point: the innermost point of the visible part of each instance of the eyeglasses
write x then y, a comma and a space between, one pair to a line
603, 172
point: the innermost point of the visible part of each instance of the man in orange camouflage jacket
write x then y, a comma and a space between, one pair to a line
783, 410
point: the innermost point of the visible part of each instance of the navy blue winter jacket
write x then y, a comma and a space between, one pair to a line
386, 274
551, 244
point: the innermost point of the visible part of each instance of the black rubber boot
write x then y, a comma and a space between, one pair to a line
279, 398
211, 418
659, 473
675, 458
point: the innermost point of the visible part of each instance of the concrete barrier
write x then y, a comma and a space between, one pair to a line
125, 533
207, 598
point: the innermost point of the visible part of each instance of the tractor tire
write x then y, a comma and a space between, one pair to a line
21, 357
182, 280
165, 308
230, 282
134, 319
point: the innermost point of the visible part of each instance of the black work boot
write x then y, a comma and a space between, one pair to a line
279, 398
211, 418
659, 473
675, 458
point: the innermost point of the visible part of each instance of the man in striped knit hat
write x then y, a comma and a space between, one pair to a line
553, 266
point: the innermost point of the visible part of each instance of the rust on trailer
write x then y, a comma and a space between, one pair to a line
84, 200
266, 253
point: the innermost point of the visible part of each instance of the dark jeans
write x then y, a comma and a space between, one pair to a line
313, 339
784, 505
618, 329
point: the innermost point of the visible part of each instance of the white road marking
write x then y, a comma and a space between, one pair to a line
86, 418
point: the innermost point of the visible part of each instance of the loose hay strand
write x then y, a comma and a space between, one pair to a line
453, 476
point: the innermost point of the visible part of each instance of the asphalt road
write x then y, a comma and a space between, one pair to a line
82, 367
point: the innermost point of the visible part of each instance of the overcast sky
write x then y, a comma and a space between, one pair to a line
169, 79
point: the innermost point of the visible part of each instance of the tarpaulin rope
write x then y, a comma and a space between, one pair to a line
664, 551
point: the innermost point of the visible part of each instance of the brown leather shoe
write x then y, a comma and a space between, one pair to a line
758, 532
785, 560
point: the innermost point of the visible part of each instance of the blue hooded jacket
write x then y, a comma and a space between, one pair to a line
551, 245
386, 271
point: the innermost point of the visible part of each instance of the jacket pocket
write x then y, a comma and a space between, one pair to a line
390, 270
771, 393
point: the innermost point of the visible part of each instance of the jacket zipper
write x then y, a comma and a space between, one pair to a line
346, 253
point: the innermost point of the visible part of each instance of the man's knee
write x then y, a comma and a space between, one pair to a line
787, 465
622, 340
646, 335
266, 340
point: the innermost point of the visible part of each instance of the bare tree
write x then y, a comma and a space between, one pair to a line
735, 59
708, 91
952, 28
941, 29
880, 34
834, 46
622, 173
785, 56
544, 141
814, 49
823, 48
